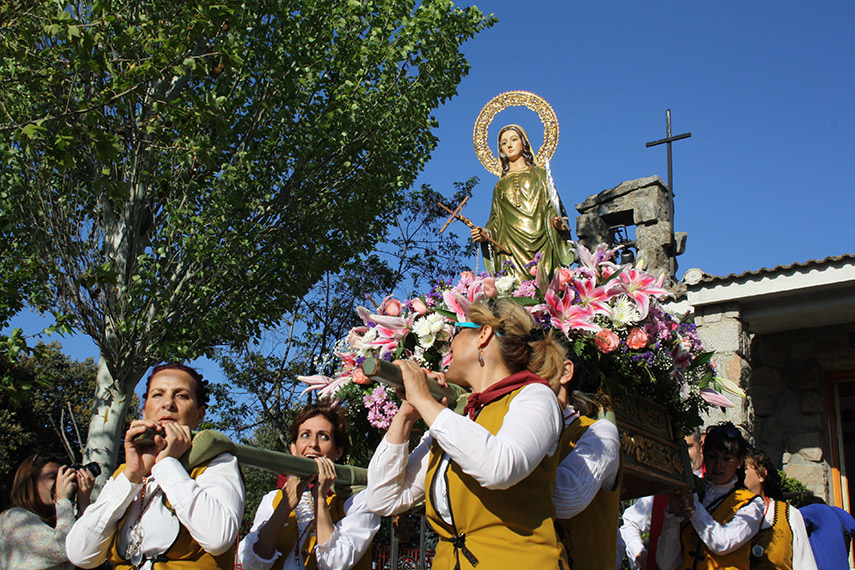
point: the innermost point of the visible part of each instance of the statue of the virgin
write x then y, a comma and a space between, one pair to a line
526, 217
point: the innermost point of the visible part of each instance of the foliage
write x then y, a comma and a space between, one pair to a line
264, 385
792, 489
184, 172
609, 314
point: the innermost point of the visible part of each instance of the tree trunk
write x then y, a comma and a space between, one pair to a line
106, 434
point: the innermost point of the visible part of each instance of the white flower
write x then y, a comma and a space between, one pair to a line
624, 312
423, 327
506, 284
436, 322
363, 345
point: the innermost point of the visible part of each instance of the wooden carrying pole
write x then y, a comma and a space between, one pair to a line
390, 375
207, 444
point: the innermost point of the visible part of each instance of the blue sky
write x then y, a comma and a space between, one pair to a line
766, 89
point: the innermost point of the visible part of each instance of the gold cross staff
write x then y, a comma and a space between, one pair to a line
456, 215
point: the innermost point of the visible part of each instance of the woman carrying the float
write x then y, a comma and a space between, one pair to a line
782, 542
153, 513
487, 476
714, 529
297, 527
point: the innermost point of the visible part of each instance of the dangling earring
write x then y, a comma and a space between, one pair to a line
480, 359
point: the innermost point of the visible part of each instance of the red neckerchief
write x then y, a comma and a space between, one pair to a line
499, 389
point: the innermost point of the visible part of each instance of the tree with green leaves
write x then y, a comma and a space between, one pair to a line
263, 390
185, 171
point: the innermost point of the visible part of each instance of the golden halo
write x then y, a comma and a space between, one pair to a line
514, 99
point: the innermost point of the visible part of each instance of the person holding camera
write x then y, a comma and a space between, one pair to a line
35, 526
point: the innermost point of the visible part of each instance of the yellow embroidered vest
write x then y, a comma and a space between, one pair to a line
587, 536
288, 537
184, 554
496, 528
696, 556
776, 542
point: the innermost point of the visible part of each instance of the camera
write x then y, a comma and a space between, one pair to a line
92, 467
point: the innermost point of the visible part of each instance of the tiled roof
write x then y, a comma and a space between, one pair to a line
845, 258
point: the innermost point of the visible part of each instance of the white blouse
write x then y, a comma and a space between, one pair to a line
592, 465
529, 432
210, 507
349, 542
718, 538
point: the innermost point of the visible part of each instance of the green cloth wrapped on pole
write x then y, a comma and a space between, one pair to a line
207, 444
390, 375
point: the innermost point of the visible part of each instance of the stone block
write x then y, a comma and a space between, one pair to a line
785, 458
766, 376
812, 403
711, 317
805, 375
812, 474
813, 454
763, 399
798, 442
723, 336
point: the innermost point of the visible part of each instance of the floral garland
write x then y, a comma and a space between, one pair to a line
612, 315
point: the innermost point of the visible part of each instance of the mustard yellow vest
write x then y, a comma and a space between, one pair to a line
776, 542
288, 537
591, 536
696, 556
509, 528
184, 554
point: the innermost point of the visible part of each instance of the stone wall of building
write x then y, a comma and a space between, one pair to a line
721, 329
788, 395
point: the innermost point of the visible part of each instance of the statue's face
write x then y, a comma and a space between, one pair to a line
511, 144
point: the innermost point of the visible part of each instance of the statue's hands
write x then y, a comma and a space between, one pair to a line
560, 224
479, 234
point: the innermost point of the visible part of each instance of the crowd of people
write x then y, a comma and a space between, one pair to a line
526, 477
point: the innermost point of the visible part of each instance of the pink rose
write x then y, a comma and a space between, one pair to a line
467, 276
418, 306
490, 287
636, 339
392, 307
533, 270
360, 378
606, 341
565, 276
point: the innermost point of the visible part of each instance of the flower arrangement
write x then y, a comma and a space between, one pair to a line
612, 316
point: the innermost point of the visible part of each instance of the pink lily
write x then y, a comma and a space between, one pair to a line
460, 303
642, 286
715, 398
568, 316
600, 256
597, 298
325, 385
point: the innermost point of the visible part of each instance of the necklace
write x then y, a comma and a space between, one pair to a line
134, 552
301, 536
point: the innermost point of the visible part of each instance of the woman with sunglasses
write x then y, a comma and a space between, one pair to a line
713, 530
486, 477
